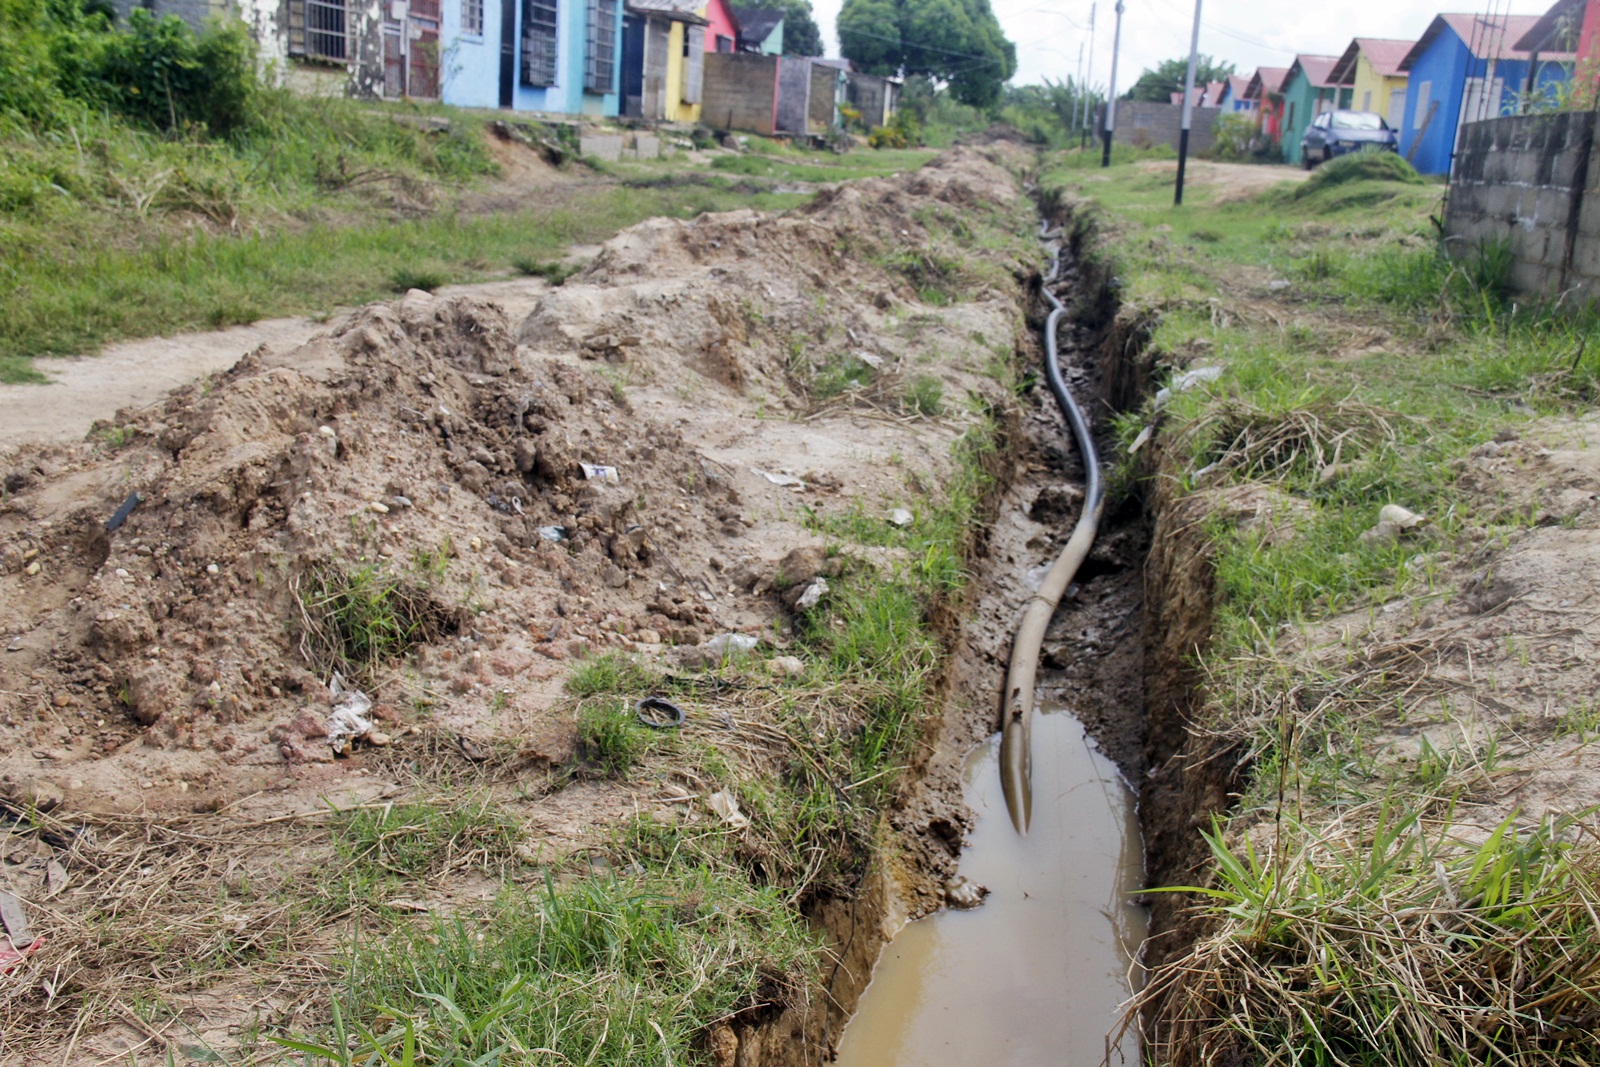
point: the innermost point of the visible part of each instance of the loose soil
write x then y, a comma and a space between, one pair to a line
163, 690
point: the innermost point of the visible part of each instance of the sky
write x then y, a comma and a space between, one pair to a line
1257, 33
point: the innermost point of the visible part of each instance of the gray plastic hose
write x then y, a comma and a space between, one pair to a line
1016, 737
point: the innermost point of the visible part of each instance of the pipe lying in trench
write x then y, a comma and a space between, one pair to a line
1016, 738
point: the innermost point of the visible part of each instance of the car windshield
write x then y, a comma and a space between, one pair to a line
1357, 120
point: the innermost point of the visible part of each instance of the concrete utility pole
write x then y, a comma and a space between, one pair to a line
1078, 108
1111, 90
1188, 105
1088, 73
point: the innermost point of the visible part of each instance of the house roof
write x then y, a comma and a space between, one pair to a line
1317, 69
1237, 84
1213, 97
1556, 29
675, 10
1383, 53
757, 23
1265, 80
1485, 38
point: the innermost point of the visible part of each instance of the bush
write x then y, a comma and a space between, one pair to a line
1235, 137
903, 131
161, 73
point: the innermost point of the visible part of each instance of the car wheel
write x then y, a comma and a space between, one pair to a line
1305, 160
1327, 155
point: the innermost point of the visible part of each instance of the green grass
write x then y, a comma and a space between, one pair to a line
354, 618
67, 300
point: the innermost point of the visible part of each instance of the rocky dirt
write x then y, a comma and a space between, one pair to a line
164, 683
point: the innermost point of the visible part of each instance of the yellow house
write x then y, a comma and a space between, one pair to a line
1372, 66
663, 49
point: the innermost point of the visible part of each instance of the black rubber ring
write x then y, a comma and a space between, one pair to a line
659, 704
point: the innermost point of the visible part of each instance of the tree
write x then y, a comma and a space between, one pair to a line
958, 42
800, 34
1167, 78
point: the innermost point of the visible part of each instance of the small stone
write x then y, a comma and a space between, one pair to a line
379, 507
62, 699
378, 738
963, 892
31, 569
476, 544
786, 666
326, 431
212, 568
121, 573
648, 637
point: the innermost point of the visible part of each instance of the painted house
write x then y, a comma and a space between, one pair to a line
559, 56
1265, 90
1371, 66
1233, 98
722, 25
1570, 26
663, 60
1465, 68
760, 30
1308, 91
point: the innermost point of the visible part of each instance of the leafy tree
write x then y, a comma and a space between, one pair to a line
954, 41
1167, 78
800, 34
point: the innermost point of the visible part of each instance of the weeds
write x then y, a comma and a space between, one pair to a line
354, 619
925, 396
406, 279
553, 271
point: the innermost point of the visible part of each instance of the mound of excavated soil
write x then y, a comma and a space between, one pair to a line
431, 443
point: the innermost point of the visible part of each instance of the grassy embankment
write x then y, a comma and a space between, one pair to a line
110, 232
1355, 908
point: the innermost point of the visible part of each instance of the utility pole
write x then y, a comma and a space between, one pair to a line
1081, 104
1088, 73
1188, 105
1111, 90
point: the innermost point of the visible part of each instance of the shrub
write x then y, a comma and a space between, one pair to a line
161, 73
1356, 167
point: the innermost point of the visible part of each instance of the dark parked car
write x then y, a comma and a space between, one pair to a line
1336, 132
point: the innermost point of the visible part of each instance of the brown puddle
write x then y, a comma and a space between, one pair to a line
1035, 975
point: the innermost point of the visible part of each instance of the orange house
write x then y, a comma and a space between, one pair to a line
1266, 89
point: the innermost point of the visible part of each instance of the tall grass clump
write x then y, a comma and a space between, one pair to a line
601, 971
1405, 944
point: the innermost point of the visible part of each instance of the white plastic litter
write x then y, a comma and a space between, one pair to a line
347, 719
787, 480
1401, 517
726, 807
1187, 380
594, 472
725, 644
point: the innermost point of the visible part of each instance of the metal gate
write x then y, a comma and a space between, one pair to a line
411, 49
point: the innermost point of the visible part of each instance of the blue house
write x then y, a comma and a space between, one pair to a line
560, 56
1465, 69
1233, 97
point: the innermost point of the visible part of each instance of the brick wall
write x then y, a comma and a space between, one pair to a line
1144, 125
739, 91
1530, 180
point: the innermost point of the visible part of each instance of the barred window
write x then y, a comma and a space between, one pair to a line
600, 64
538, 42
472, 18
325, 30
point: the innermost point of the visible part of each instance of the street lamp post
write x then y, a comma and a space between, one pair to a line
1188, 105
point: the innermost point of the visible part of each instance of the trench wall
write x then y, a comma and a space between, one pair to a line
1530, 180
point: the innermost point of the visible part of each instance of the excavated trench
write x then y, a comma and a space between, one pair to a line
1036, 974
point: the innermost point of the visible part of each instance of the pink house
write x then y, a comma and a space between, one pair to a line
723, 32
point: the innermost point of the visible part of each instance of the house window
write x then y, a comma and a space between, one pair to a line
1423, 92
1366, 100
325, 29
724, 44
472, 18
600, 58
538, 42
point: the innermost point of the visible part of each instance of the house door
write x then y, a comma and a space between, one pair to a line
1479, 105
394, 52
633, 66
1397, 108
422, 47
508, 52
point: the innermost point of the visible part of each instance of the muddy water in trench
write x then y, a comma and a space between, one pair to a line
1034, 976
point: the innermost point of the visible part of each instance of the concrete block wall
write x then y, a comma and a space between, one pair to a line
1531, 180
739, 92
1144, 125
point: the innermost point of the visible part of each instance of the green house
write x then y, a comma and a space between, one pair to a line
1308, 91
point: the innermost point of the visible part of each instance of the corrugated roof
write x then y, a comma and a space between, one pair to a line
1556, 28
1316, 69
1485, 38
674, 8
1385, 55
757, 23
1265, 80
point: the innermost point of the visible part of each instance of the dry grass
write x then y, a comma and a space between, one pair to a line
1387, 938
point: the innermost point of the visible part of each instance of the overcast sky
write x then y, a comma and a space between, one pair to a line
1259, 33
